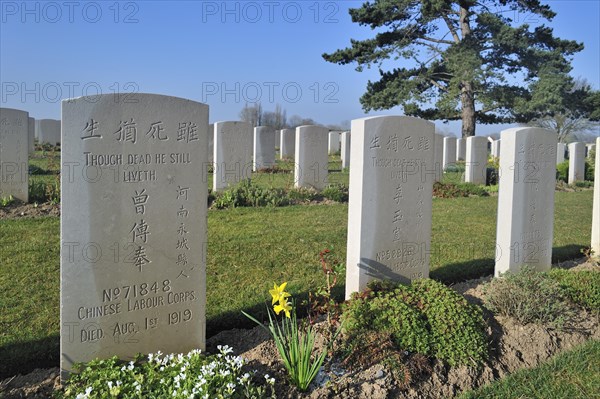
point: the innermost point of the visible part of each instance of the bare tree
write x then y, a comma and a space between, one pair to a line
276, 119
252, 114
297, 120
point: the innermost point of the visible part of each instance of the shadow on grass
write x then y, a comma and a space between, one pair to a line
568, 252
458, 272
24, 357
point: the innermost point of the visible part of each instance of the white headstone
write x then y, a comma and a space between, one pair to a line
334, 142
14, 153
526, 199
495, 148
576, 162
461, 149
345, 151
389, 215
476, 162
211, 140
133, 277
449, 151
31, 134
561, 148
264, 147
48, 131
311, 164
232, 154
287, 143
438, 155
596, 206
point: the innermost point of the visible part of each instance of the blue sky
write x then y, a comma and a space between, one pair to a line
221, 53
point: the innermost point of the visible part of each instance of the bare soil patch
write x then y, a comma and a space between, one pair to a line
20, 209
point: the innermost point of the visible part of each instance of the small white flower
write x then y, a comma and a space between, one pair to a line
244, 378
270, 380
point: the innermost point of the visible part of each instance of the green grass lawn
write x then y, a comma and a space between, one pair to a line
250, 249
48, 161
571, 375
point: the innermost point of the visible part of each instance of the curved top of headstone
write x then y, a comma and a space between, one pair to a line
393, 117
524, 130
306, 126
220, 122
13, 110
264, 128
128, 98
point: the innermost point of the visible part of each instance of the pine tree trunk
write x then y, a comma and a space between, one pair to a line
468, 110
467, 97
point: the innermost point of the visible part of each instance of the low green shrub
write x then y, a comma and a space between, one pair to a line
44, 191
457, 167
491, 176
248, 194
193, 375
583, 184
454, 190
6, 201
492, 189
336, 192
582, 287
302, 194
590, 165
425, 317
529, 297
562, 171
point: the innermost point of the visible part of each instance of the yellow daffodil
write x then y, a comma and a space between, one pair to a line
278, 293
285, 306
